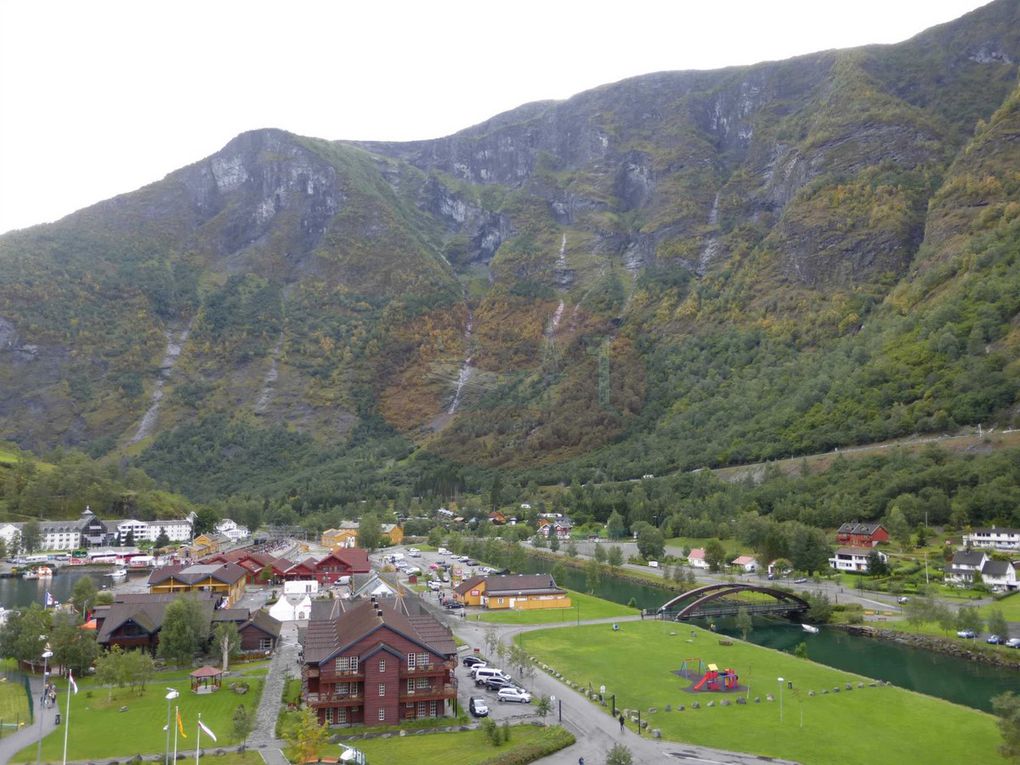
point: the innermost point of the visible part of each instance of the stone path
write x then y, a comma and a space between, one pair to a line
284, 665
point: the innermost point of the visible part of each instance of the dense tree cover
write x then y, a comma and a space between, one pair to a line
184, 631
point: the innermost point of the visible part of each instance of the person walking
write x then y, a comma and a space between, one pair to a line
621, 722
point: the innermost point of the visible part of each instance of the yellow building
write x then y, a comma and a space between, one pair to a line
394, 532
345, 536
524, 592
225, 580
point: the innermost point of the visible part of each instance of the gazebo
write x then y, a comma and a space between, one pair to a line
206, 679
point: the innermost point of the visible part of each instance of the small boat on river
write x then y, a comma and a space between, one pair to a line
810, 628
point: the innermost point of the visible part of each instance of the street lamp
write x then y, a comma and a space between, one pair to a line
46, 654
780, 698
171, 695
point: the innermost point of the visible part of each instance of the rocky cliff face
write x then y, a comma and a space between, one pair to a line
554, 256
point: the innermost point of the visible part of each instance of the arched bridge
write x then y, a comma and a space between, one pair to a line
727, 599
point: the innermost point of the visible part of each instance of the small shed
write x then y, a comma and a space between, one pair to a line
206, 679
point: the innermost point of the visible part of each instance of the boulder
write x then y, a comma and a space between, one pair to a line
709, 705
724, 703
695, 705
769, 697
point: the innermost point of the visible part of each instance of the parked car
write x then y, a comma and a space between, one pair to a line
902, 599
802, 580
443, 551
495, 683
970, 634
995, 640
434, 585
477, 707
1013, 643
471, 661
453, 605
514, 694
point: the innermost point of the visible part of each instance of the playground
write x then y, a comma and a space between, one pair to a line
708, 677
811, 716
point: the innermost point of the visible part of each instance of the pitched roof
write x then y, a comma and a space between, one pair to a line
970, 558
521, 583
996, 568
228, 573
334, 627
862, 552
743, 560
146, 613
268, 624
468, 584
856, 527
355, 558
696, 553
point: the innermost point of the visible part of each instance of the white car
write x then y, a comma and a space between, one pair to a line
443, 551
514, 694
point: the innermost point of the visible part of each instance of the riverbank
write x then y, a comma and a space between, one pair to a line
935, 644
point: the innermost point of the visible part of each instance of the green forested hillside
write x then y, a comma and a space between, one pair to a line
679, 270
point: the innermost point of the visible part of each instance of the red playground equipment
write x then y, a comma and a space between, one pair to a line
717, 680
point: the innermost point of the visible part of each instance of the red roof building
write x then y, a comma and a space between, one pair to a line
330, 569
856, 534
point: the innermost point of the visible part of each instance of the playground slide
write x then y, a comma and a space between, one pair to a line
705, 678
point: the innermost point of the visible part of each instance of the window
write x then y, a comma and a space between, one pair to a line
266, 644
432, 709
347, 664
410, 685
341, 715
382, 689
423, 682
382, 665
382, 715
410, 661
423, 659
342, 689
421, 708
329, 715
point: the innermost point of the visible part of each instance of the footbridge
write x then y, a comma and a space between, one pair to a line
727, 599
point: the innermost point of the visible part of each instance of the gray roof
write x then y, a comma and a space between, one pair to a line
856, 527
970, 558
522, 583
996, 568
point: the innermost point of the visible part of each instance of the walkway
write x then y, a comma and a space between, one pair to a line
284, 665
11, 745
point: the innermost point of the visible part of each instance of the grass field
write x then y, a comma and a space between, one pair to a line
587, 606
636, 664
1010, 607
100, 730
13, 704
464, 748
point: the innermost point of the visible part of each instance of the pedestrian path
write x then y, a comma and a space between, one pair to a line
44, 723
284, 665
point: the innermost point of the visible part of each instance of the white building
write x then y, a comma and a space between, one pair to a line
1000, 576
232, 530
993, 538
8, 533
745, 563
855, 558
177, 530
295, 607
696, 558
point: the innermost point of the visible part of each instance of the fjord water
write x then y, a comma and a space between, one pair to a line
963, 682
16, 592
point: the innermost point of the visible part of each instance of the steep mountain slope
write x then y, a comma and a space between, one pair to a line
679, 269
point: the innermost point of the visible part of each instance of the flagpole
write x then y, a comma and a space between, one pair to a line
177, 724
198, 737
67, 714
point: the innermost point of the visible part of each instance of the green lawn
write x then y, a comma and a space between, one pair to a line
464, 748
733, 546
13, 704
100, 730
588, 606
865, 726
1010, 607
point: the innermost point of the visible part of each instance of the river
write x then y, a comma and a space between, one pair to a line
969, 683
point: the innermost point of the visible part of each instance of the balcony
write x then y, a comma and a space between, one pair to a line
335, 699
445, 691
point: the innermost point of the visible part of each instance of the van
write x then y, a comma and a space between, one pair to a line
653, 563
434, 585
485, 673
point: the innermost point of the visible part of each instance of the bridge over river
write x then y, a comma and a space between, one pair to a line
727, 599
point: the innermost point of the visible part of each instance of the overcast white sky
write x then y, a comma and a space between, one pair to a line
101, 97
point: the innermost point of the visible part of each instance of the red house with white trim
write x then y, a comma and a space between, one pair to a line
339, 563
369, 663
855, 534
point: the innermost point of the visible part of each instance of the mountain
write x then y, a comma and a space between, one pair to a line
675, 270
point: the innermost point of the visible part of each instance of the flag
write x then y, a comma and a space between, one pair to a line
180, 725
49, 599
204, 727
70, 679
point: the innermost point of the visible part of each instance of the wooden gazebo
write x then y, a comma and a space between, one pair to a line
206, 679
